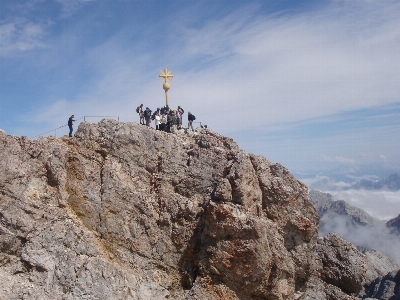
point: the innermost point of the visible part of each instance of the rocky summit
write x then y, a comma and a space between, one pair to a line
122, 211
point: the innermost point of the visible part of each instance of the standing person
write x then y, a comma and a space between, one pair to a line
70, 120
178, 119
163, 125
147, 116
139, 110
180, 111
168, 127
142, 118
191, 118
174, 122
157, 121
165, 109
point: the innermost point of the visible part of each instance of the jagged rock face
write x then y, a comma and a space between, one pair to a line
391, 183
394, 225
326, 204
122, 211
341, 264
378, 264
358, 227
383, 288
320, 290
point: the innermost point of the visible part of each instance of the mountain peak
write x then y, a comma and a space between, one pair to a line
122, 211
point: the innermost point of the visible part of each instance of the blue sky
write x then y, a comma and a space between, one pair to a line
313, 85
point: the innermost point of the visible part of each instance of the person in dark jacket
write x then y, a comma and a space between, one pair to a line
168, 127
191, 118
70, 120
139, 110
147, 116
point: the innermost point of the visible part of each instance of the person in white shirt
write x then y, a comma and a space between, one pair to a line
157, 119
163, 122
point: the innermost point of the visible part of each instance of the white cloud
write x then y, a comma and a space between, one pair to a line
58, 108
327, 158
278, 68
294, 67
365, 176
344, 160
339, 159
69, 7
376, 237
379, 204
20, 36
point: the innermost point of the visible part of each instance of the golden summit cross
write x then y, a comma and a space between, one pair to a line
166, 76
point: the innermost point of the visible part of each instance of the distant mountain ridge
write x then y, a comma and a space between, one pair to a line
394, 225
356, 225
391, 183
351, 223
325, 203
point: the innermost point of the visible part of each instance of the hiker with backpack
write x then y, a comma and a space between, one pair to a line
139, 110
147, 116
191, 118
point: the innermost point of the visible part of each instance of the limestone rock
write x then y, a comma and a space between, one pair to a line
122, 211
320, 290
378, 265
341, 264
383, 288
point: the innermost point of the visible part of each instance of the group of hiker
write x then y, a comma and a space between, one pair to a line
165, 118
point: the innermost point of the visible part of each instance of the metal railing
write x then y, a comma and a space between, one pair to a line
84, 119
199, 123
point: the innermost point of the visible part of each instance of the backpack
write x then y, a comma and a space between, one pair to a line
137, 109
147, 113
193, 117
173, 120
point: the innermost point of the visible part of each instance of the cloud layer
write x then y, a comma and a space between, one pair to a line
376, 237
379, 204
